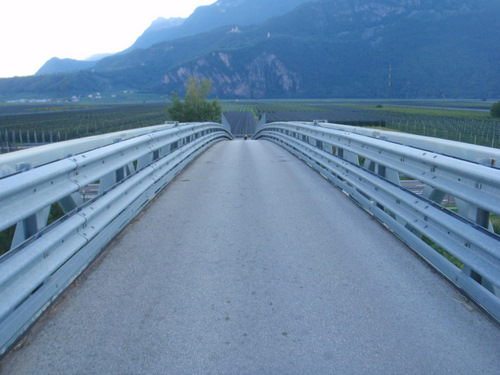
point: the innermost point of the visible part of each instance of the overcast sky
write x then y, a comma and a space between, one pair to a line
33, 31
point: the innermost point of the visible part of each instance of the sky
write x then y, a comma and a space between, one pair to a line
34, 31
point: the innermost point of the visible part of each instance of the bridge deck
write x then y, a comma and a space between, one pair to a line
250, 262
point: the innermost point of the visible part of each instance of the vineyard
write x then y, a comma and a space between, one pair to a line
28, 125
462, 125
25, 125
468, 122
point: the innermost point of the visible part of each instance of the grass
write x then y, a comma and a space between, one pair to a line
496, 228
443, 252
495, 220
6, 239
7, 235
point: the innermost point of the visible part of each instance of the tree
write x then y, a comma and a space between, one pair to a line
196, 107
495, 110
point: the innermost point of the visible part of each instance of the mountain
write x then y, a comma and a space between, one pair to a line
56, 65
98, 56
159, 31
322, 48
204, 18
209, 17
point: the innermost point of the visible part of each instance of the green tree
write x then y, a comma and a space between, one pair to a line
495, 110
196, 107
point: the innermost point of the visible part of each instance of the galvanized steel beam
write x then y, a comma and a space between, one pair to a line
416, 219
44, 260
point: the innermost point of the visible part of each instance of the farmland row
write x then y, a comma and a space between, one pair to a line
31, 124
50, 125
457, 125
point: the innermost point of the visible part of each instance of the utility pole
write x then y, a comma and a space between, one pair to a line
389, 83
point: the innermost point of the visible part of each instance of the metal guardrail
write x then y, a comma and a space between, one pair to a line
368, 166
130, 167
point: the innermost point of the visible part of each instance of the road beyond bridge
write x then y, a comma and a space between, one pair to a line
251, 263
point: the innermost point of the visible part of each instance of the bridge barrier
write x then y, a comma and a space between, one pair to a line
368, 165
130, 168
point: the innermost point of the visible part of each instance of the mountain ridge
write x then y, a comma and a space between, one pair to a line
220, 13
342, 49
203, 19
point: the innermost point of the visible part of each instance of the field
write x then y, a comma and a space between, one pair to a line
463, 121
458, 124
24, 125
29, 124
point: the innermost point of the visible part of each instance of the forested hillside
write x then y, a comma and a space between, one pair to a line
324, 48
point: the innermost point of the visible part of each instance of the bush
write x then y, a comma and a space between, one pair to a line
495, 110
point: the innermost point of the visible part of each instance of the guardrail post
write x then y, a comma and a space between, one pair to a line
432, 194
351, 157
483, 218
143, 161
30, 226
474, 214
71, 202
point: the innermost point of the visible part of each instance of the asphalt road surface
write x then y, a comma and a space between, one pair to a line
241, 123
252, 263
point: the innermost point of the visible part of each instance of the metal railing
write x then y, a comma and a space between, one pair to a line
368, 165
130, 168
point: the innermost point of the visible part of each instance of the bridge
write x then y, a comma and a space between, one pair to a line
201, 253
